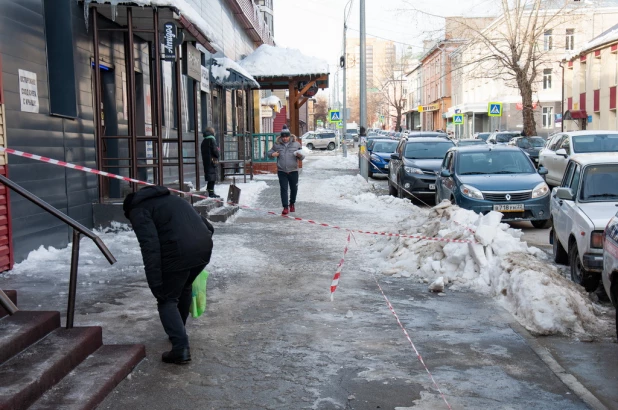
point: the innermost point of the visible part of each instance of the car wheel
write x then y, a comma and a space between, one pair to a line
453, 201
310, 146
560, 255
541, 224
578, 274
436, 198
392, 191
614, 290
369, 171
400, 192
331, 146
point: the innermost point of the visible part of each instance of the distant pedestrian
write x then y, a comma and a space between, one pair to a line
287, 151
176, 245
210, 159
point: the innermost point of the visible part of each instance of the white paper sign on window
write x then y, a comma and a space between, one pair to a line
28, 93
205, 83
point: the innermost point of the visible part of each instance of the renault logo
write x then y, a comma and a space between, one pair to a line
507, 197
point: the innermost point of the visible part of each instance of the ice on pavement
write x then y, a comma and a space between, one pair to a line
498, 264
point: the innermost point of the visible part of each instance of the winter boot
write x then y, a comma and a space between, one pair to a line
292, 209
285, 211
177, 356
211, 194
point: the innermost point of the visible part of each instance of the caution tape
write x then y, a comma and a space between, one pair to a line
335, 282
418, 355
137, 181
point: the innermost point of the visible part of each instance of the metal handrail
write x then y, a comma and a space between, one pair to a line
78, 229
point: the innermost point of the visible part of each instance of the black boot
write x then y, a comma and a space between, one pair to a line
177, 356
211, 194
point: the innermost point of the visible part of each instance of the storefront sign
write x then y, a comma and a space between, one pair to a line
28, 93
430, 107
172, 38
520, 106
205, 85
193, 62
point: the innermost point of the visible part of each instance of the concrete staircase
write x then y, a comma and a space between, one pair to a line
44, 366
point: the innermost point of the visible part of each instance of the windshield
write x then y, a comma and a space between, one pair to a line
494, 162
595, 143
600, 183
506, 137
427, 150
384, 146
483, 136
471, 142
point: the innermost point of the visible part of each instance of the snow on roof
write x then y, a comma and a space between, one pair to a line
183, 7
608, 36
221, 71
271, 101
269, 61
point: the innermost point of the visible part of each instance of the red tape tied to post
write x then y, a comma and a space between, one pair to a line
335, 282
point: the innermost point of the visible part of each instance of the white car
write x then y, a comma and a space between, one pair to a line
323, 140
580, 209
560, 147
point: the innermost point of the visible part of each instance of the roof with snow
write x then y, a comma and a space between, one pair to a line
605, 38
229, 74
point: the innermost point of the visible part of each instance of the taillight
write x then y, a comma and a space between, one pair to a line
596, 239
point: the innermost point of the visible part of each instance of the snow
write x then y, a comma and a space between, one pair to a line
497, 264
605, 38
183, 7
270, 61
221, 71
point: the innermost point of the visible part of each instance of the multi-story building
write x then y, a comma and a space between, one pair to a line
476, 85
115, 86
590, 80
414, 85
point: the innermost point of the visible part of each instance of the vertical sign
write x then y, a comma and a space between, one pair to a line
205, 83
28, 91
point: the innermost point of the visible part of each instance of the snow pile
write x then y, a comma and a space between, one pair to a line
270, 61
221, 70
498, 264
334, 162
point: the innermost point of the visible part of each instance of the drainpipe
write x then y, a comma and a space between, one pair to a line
562, 100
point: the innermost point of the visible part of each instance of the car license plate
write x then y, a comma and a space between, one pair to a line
509, 208
432, 187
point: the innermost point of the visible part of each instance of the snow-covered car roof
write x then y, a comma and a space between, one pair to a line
595, 158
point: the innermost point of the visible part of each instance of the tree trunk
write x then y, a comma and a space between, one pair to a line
525, 88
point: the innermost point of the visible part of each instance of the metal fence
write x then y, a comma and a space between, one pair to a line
261, 144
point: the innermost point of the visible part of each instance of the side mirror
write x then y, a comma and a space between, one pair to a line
565, 193
395, 156
445, 173
562, 152
543, 171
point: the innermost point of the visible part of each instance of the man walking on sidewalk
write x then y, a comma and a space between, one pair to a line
287, 151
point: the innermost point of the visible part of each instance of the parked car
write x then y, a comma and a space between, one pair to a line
561, 146
482, 135
322, 140
379, 151
470, 141
530, 145
414, 134
610, 262
484, 178
581, 207
413, 165
502, 137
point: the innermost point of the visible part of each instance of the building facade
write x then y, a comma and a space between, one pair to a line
82, 85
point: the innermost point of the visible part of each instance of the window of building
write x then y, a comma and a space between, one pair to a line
547, 79
548, 41
596, 74
570, 39
582, 77
548, 120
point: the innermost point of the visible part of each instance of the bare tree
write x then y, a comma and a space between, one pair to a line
392, 84
320, 110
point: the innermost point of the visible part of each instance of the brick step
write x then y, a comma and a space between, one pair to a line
13, 296
222, 214
25, 377
93, 379
23, 329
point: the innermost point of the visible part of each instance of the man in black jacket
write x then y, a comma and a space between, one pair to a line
176, 244
210, 158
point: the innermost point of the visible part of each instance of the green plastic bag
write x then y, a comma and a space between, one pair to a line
198, 300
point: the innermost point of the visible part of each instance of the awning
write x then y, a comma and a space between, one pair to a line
225, 72
575, 115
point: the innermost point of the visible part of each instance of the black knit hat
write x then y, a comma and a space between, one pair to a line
285, 132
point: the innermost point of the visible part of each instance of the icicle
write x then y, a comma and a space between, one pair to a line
86, 12
114, 11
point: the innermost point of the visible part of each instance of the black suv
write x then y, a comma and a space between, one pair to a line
413, 166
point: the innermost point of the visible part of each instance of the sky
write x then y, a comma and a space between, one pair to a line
496, 263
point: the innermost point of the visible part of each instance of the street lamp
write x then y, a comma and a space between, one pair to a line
342, 63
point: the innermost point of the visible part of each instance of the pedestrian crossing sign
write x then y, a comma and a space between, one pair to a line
494, 109
334, 116
458, 119
339, 124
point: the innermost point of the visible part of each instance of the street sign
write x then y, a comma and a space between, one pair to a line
494, 109
458, 119
339, 124
457, 111
334, 116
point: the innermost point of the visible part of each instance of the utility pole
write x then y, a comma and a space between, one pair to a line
363, 91
343, 63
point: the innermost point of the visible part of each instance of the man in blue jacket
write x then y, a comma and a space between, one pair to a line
176, 244
287, 151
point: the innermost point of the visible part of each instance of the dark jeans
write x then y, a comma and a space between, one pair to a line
174, 303
286, 179
210, 186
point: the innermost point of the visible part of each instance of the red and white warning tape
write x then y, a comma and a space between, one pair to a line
335, 282
418, 355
